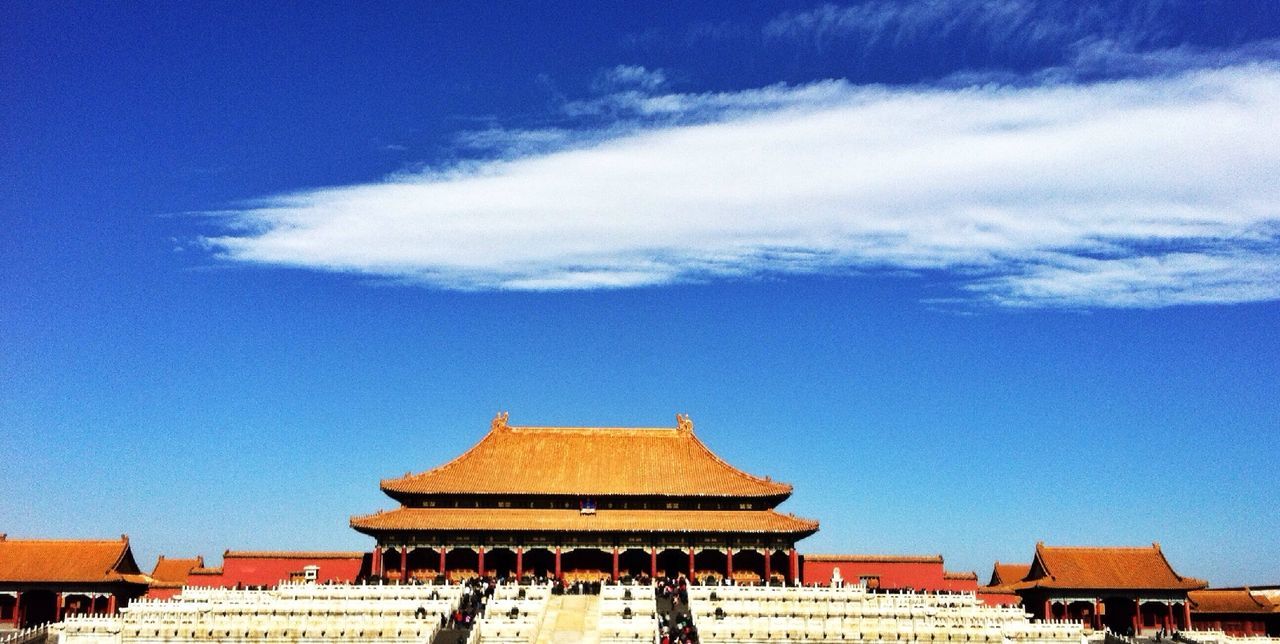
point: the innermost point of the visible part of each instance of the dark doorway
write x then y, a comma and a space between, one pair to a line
462, 563
586, 564
38, 607
1117, 614
500, 563
673, 563
634, 562
748, 566
424, 563
539, 562
710, 563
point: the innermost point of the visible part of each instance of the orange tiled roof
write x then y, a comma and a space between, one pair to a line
68, 560
287, 554
1235, 600
876, 558
588, 461
526, 519
1105, 567
172, 573
1004, 574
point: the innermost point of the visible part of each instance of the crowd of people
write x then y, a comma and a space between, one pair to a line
478, 589
676, 622
672, 593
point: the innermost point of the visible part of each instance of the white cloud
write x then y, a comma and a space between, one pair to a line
1135, 193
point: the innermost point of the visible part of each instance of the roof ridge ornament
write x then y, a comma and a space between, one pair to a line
684, 423
499, 422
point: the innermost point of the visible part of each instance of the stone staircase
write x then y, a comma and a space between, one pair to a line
571, 619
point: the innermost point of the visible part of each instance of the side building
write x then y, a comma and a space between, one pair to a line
42, 580
586, 503
1128, 590
1242, 612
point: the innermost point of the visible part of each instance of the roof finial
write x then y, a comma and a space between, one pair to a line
499, 422
684, 423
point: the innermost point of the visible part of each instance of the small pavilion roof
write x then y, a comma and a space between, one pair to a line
1233, 600
1145, 568
547, 520
68, 561
172, 573
1003, 574
594, 461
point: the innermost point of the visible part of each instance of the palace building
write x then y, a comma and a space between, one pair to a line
586, 503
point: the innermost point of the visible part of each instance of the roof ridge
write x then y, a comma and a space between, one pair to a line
1142, 548
716, 457
589, 428
65, 540
499, 423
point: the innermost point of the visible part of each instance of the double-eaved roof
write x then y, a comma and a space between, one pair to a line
588, 461
68, 561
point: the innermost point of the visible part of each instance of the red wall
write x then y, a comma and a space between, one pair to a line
162, 593
269, 571
1000, 599
969, 584
893, 574
1237, 625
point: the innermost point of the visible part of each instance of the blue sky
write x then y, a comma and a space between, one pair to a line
969, 275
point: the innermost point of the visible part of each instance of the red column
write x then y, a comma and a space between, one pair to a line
373, 562
557, 562
442, 553
795, 565
480, 560
728, 563
57, 608
1186, 616
653, 561
1097, 617
404, 564
519, 562
1137, 617
690, 565
768, 565
615, 563
17, 609
111, 605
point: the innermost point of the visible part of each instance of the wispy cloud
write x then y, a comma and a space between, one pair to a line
632, 76
1026, 27
1137, 193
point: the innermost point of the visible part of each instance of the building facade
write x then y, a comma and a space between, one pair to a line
586, 503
